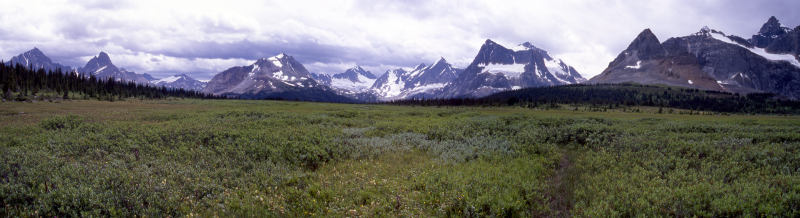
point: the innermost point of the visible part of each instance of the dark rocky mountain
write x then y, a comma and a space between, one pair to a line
647, 61
497, 68
422, 80
102, 67
769, 32
353, 80
738, 65
38, 60
278, 76
180, 81
788, 43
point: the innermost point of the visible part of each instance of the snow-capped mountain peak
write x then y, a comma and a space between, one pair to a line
355, 79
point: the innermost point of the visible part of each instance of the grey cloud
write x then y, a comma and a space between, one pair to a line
611, 24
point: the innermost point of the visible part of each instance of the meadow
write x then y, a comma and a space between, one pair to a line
226, 158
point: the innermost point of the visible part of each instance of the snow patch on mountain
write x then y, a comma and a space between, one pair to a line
394, 87
168, 79
343, 83
556, 67
276, 60
637, 66
509, 70
99, 70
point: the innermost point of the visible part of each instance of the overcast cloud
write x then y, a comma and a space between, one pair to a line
203, 38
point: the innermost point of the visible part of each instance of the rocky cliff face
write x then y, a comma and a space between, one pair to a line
498, 68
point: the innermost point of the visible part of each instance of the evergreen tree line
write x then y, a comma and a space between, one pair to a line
607, 96
27, 81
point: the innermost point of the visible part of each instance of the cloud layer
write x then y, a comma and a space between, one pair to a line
202, 39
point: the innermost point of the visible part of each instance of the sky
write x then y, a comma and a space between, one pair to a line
203, 38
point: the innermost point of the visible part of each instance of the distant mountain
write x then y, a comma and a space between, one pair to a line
646, 61
498, 68
179, 81
102, 67
423, 81
38, 60
353, 80
278, 76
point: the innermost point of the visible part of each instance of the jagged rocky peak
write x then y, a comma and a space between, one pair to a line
646, 46
768, 33
439, 62
705, 29
772, 27
103, 58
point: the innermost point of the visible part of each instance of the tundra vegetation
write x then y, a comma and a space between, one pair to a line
302, 159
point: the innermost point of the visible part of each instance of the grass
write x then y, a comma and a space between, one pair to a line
301, 159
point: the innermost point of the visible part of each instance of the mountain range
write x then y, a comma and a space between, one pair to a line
769, 61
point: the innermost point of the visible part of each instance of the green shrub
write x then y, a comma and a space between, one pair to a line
62, 122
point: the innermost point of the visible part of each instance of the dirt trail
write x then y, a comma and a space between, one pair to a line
561, 186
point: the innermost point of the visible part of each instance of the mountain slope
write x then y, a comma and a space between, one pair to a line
498, 68
38, 60
646, 61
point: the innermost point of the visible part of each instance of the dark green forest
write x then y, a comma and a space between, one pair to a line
626, 95
27, 82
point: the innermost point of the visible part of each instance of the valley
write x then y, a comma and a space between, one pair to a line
285, 159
